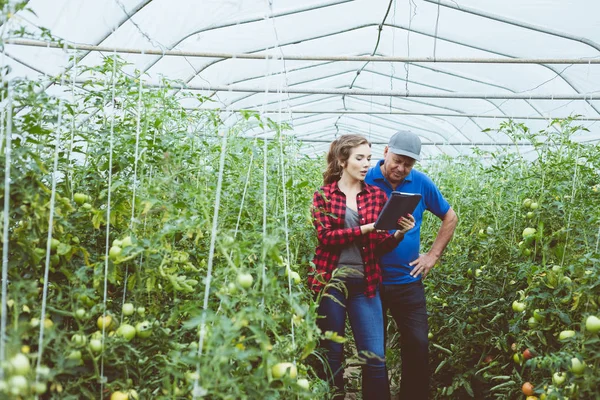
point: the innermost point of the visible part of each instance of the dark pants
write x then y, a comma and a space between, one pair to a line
366, 320
407, 306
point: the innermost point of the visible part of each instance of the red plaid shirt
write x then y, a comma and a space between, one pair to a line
329, 213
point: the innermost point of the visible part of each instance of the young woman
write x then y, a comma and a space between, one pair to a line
344, 211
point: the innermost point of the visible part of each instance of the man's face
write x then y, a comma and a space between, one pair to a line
396, 167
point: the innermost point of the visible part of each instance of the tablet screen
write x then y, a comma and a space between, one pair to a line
398, 205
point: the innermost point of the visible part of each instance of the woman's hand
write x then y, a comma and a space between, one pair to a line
368, 228
405, 224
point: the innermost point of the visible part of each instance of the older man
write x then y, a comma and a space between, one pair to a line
405, 267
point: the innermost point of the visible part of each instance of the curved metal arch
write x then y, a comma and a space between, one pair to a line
425, 129
414, 127
375, 72
519, 24
354, 98
417, 128
447, 122
539, 113
567, 81
402, 27
384, 140
247, 21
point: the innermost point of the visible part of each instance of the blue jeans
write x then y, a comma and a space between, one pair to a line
407, 305
366, 320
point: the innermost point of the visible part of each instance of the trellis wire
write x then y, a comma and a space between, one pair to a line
135, 183
197, 391
239, 217
573, 190
264, 226
49, 237
71, 141
136, 153
287, 239
108, 207
7, 154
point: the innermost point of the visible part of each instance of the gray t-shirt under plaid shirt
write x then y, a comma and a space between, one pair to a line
350, 255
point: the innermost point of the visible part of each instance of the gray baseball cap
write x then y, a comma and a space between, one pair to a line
405, 143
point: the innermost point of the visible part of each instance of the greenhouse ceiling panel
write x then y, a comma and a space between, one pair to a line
447, 70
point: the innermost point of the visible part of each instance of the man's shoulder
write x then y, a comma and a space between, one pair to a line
421, 177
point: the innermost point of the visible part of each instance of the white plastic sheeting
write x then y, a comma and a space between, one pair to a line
530, 29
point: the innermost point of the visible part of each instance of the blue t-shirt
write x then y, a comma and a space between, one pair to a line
395, 263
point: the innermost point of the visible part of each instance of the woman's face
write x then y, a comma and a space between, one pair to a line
358, 163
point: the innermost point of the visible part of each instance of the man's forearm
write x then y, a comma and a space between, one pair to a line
444, 234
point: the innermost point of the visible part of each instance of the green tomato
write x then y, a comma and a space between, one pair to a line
128, 309
20, 364
17, 384
577, 366
534, 206
80, 198
529, 232
141, 311
86, 206
78, 340
39, 387
75, 355
126, 331
303, 383
517, 306
592, 324
118, 395
566, 334
126, 242
80, 313
114, 252
281, 369
518, 358
244, 280
192, 376
558, 378
530, 215
532, 322
54, 243
537, 315
143, 329
527, 203
95, 345
104, 322
295, 277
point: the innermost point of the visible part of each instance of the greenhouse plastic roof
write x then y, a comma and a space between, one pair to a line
448, 104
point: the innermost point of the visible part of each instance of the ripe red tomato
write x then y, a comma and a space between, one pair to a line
527, 389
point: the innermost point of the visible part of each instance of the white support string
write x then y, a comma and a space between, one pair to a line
108, 206
136, 154
71, 141
264, 226
6, 221
573, 191
135, 184
287, 237
199, 391
239, 217
49, 236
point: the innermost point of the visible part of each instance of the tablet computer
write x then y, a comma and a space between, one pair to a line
398, 205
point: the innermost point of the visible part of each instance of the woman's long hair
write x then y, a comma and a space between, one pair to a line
339, 153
